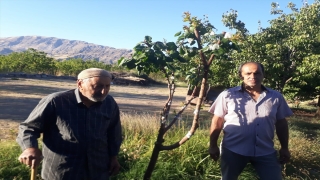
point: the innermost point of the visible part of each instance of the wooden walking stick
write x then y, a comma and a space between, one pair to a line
33, 173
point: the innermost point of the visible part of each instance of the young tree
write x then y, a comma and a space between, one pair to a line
192, 55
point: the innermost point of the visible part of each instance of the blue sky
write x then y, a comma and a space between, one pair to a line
123, 23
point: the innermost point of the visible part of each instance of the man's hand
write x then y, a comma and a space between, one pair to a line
215, 129
284, 156
114, 166
214, 152
31, 157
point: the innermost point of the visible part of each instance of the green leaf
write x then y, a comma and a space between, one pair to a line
131, 64
139, 47
177, 34
180, 38
171, 46
120, 61
159, 46
170, 67
139, 55
181, 59
148, 39
202, 31
187, 77
174, 54
168, 59
193, 69
190, 35
181, 50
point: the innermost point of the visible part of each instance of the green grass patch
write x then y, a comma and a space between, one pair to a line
10, 167
191, 160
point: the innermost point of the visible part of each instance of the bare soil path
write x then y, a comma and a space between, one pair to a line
19, 96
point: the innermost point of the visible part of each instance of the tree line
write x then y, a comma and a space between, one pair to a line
38, 62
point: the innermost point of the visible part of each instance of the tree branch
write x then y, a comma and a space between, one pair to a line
203, 58
198, 38
210, 60
179, 113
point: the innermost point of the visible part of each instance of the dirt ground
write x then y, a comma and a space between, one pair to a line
18, 96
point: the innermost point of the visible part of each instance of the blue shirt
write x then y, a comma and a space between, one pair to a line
250, 125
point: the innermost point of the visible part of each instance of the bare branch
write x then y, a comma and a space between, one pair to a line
203, 58
179, 113
198, 38
170, 147
210, 60
288, 80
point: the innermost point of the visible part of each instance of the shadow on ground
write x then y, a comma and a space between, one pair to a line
17, 101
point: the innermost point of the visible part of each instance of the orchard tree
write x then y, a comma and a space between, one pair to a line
17, 62
290, 39
191, 56
305, 84
4, 63
96, 64
38, 62
71, 67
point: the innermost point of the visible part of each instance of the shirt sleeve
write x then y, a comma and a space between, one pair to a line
32, 127
114, 134
283, 109
219, 107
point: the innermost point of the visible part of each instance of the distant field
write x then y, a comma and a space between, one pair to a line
19, 96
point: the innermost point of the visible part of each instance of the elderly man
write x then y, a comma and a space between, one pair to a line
81, 131
249, 114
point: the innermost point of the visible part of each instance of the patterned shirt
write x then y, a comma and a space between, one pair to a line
250, 125
77, 140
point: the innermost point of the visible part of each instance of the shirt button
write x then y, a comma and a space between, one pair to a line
257, 124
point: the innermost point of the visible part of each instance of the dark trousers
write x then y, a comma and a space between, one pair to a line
232, 164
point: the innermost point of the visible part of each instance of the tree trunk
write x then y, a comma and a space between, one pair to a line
318, 105
159, 143
155, 153
195, 122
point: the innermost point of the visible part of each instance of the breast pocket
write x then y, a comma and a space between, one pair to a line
270, 107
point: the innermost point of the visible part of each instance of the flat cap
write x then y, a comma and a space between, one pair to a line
94, 72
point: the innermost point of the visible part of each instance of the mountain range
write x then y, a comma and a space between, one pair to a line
63, 48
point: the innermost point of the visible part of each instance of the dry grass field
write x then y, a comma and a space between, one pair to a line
18, 96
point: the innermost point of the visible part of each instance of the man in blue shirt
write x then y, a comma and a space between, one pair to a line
249, 115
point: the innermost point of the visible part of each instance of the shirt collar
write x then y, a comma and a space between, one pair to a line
77, 93
241, 88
